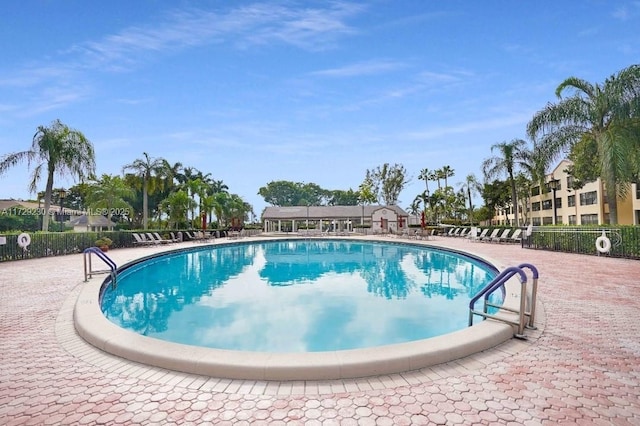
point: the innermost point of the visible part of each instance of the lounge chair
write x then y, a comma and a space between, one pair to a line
162, 240
463, 233
482, 235
140, 241
502, 237
515, 237
157, 240
494, 234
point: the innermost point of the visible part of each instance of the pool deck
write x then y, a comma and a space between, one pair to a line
582, 364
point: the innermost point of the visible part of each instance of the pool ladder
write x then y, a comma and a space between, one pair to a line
528, 295
89, 272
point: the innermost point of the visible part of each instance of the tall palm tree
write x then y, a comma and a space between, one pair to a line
606, 114
447, 172
62, 150
146, 169
471, 186
511, 157
109, 193
434, 175
425, 175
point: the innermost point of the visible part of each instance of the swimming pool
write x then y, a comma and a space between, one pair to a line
91, 324
297, 295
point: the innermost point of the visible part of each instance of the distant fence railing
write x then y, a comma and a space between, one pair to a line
624, 241
46, 244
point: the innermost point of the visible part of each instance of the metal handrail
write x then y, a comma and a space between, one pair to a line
499, 282
88, 271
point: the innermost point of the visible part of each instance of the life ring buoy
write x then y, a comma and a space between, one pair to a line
603, 244
24, 240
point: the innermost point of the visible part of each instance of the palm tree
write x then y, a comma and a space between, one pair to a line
605, 114
447, 172
176, 205
425, 174
512, 155
471, 186
108, 193
64, 151
434, 175
146, 169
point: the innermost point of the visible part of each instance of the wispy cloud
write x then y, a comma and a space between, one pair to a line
242, 27
627, 11
361, 68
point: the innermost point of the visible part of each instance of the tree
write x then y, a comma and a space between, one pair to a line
339, 197
176, 206
146, 169
606, 114
286, 193
389, 181
59, 149
495, 196
425, 175
447, 172
109, 193
367, 193
470, 187
511, 156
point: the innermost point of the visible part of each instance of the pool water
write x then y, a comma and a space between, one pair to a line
297, 295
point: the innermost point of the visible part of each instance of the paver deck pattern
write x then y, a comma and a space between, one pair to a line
581, 366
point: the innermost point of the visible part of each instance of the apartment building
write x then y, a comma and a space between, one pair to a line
556, 203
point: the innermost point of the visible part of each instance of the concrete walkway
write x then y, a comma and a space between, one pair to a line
581, 366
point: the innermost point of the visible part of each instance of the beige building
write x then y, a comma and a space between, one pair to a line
557, 203
378, 219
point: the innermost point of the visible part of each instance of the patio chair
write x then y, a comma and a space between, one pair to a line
162, 240
482, 235
156, 240
463, 233
502, 237
494, 234
140, 241
515, 237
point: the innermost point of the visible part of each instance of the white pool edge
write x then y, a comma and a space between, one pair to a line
97, 330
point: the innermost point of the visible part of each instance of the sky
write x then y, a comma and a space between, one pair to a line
303, 91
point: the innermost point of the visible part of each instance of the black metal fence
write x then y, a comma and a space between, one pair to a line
621, 241
46, 244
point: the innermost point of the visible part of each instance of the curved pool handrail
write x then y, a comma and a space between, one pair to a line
498, 282
532, 268
106, 259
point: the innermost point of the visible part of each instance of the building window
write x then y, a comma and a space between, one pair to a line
637, 191
571, 200
546, 205
547, 220
535, 206
535, 191
589, 219
588, 198
558, 202
569, 182
558, 220
535, 221
572, 219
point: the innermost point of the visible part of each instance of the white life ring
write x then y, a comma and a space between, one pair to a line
24, 240
603, 244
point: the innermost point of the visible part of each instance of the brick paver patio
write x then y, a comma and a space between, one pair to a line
581, 366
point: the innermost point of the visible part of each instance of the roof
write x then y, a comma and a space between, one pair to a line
325, 212
95, 220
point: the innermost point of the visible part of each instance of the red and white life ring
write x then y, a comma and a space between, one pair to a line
603, 243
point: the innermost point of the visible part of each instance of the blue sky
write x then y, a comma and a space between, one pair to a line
305, 91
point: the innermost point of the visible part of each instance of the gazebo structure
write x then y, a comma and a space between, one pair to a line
379, 219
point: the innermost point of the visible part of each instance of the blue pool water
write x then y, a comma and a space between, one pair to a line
297, 295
